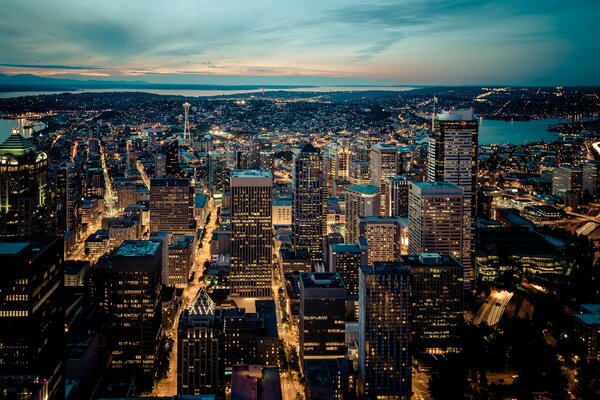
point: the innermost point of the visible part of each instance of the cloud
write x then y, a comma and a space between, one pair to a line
51, 66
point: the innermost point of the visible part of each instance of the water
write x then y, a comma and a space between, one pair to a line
7, 125
516, 132
216, 92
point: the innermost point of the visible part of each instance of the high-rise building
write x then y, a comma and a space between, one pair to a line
160, 165
396, 196
69, 190
172, 205
135, 305
267, 159
32, 320
591, 178
251, 241
383, 164
198, 367
346, 259
384, 354
566, 178
255, 382
181, 259
383, 237
361, 201
218, 172
435, 219
173, 169
337, 161
322, 315
437, 302
307, 208
453, 152
23, 198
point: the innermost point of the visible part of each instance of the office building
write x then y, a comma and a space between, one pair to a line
591, 178
452, 157
346, 259
307, 208
23, 198
361, 201
181, 259
383, 164
282, 210
396, 196
437, 302
565, 179
383, 238
218, 172
198, 366
384, 356
251, 240
172, 206
337, 161
32, 321
322, 315
436, 219
135, 305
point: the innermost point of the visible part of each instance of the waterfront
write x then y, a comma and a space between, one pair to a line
7, 125
516, 132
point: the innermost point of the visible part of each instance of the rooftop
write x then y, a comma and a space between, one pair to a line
590, 314
363, 189
324, 280
379, 219
251, 173
346, 248
137, 248
436, 185
15, 248
200, 200
16, 144
425, 259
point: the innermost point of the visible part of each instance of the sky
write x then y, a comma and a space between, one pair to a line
319, 42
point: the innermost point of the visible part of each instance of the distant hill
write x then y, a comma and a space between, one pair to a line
28, 82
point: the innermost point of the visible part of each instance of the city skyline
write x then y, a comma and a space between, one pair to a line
462, 42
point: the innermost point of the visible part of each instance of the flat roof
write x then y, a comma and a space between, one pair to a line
379, 219
436, 185
364, 189
137, 248
200, 200
12, 248
322, 280
251, 173
346, 248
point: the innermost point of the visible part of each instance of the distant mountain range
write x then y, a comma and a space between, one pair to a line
30, 83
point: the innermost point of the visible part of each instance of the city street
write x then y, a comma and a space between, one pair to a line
168, 385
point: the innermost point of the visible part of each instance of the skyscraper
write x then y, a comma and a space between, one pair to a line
198, 367
437, 302
172, 167
567, 178
172, 205
322, 315
135, 305
591, 178
361, 200
383, 237
250, 273
31, 314
23, 179
453, 152
384, 354
383, 164
436, 219
307, 207
346, 259
396, 196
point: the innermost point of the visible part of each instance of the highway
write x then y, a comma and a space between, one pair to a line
492, 310
109, 196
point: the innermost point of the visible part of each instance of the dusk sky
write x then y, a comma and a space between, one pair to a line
505, 42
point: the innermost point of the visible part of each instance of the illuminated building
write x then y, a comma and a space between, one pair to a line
383, 164
384, 355
32, 320
453, 152
346, 259
135, 305
251, 241
172, 206
322, 315
361, 200
383, 237
591, 178
23, 197
198, 367
307, 207
566, 178
396, 196
436, 219
437, 302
